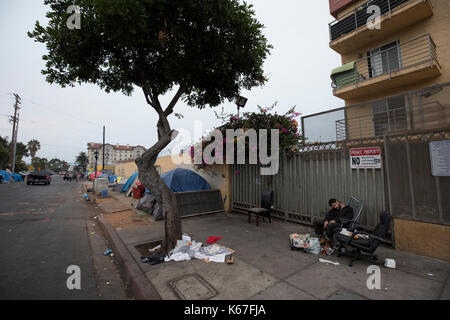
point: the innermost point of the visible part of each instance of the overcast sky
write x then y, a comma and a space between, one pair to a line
64, 120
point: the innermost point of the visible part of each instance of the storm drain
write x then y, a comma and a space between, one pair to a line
346, 295
192, 287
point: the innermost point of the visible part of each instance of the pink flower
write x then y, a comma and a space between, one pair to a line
237, 172
284, 130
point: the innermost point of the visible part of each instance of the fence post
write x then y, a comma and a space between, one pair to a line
439, 199
410, 177
388, 176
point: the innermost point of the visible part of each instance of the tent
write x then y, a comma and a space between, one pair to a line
6, 175
129, 182
182, 180
17, 177
91, 175
103, 175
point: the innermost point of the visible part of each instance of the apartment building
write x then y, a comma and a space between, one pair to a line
113, 153
394, 79
395, 65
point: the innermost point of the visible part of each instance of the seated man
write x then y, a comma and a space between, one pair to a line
332, 221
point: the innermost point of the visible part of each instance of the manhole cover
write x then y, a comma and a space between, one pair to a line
346, 295
192, 287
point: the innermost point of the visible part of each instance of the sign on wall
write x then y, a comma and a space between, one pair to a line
440, 158
365, 158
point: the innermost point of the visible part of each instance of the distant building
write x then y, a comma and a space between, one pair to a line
113, 154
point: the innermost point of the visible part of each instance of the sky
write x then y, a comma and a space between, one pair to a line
64, 120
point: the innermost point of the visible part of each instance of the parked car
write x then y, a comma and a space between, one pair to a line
68, 177
39, 177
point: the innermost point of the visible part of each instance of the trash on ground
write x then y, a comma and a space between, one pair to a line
212, 240
328, 261
107, 252
154, 249
304, 242
153, 259
188, 250
430, 274
389, 263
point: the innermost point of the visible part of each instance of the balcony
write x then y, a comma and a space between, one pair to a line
427, 108
351, 32
391, 66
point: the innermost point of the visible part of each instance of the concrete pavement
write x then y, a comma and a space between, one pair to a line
265, 268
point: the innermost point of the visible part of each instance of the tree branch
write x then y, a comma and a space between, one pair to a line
169, 109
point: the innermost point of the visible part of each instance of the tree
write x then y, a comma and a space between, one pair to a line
4, 153
206, 51
21, 151
82, 161
39, 163
55, 165
33, 146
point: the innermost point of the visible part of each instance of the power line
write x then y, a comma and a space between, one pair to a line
40, 105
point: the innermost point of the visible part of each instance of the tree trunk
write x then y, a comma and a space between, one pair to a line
149, 177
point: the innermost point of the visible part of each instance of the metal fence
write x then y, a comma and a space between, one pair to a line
305, 183
413, 192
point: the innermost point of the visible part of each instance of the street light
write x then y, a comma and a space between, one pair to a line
96, 158
240, 102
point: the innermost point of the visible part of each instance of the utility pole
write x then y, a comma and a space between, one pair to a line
14, 120
15, 144
103, 161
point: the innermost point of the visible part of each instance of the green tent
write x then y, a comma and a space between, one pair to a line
344, 75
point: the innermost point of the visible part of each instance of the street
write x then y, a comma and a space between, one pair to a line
44, 230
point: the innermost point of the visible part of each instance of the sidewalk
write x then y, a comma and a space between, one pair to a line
265, 267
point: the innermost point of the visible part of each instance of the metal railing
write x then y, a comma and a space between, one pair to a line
389, 59
359, 17
418, 109
394, 120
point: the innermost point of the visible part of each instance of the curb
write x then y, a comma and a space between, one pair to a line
140, 285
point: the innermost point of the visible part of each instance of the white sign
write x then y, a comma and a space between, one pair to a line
365, 158
440, 158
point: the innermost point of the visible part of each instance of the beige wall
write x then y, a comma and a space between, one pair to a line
218, 176
438, 26
125, 169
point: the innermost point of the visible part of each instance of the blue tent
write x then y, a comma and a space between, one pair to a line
6, 175
17, 177
182, 180
103, 175
129, 182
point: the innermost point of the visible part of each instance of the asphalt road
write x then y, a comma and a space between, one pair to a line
44, 230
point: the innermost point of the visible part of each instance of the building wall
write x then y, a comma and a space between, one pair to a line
438, 26
218, 176
338, 6
126, 169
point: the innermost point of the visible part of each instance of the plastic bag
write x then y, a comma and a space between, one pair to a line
147, 203
158, 213
314, 246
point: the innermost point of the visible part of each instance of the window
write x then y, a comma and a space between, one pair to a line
389, 115
384, 59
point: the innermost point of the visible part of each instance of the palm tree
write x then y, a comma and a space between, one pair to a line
33, 146
82, 160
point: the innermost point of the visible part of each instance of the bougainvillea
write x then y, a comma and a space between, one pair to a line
287, 125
